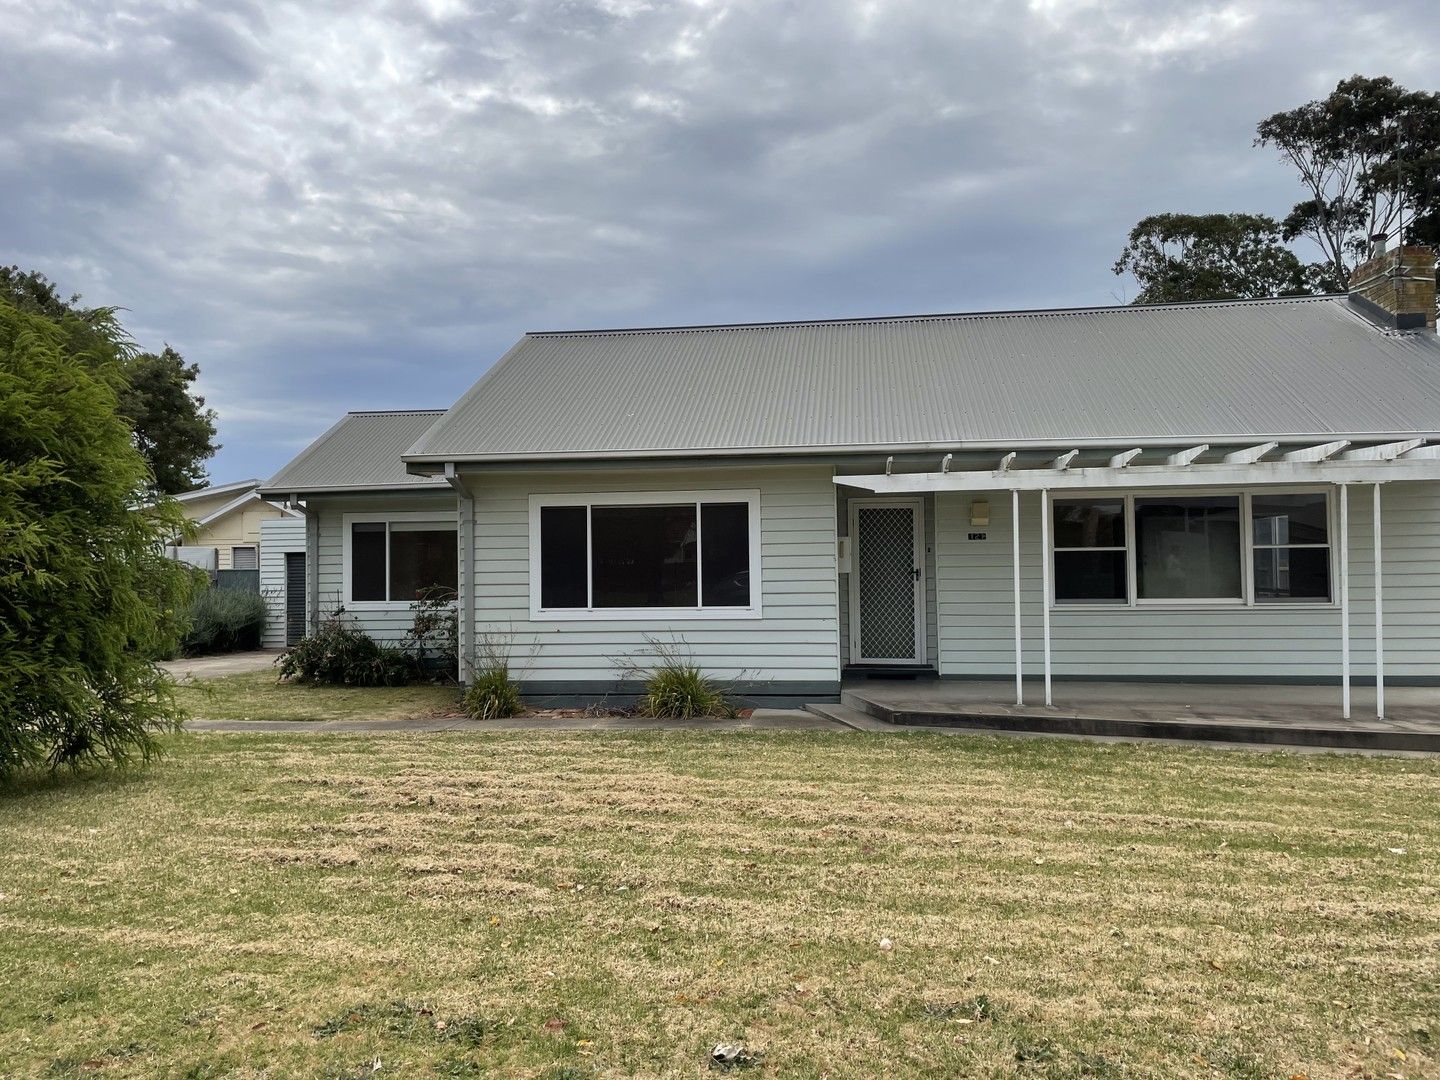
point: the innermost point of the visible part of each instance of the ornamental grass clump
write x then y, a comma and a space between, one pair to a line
675, 686
493, 694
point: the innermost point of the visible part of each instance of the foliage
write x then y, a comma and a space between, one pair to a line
434, 635
223, 620
675, 687
1368, 160
1360, 152
87, 597
340, 654
172, 427
1177, 257
493, 694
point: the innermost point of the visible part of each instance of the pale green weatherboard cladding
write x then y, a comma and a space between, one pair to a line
796, 641
383, 625
976, 615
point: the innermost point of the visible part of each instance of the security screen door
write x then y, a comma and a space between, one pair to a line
887, 591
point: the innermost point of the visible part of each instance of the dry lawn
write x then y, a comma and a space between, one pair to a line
615, 905
260, 695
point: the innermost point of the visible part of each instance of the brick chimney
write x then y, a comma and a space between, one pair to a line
1396, 289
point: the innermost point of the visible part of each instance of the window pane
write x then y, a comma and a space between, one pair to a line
643, 556
1089, 575
367, 560
725, 547
562, 556
1188, 548
422, 560
1082, 523
1292, 574
1289, 519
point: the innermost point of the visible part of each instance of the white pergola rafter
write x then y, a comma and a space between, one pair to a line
1187, 457
1323, 452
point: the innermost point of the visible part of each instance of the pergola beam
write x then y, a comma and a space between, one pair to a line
1382, 452
1323, 452
1250, 455
1122, 460
1063, 461
1186, 457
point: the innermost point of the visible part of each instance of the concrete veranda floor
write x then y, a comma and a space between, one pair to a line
1405, 706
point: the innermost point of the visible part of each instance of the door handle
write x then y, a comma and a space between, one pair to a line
915, 573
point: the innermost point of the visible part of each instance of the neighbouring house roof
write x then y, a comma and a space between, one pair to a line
233, 488
361, 452
240, 501
1302, 367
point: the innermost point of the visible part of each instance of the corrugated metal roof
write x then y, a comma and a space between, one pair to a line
1301, 366
361, 451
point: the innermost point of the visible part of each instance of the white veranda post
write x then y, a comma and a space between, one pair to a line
1344, 553
1379, 614
1015, 550
1045, 585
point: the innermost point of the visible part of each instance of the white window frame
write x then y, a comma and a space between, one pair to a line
646, 498
1246, 600
436, 521
245, 547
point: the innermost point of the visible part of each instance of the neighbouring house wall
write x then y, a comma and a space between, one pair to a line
790, 653
277, 537
932, 635
976, 607
383, 624
241, 527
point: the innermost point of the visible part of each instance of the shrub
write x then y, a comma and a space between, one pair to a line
433, 637
493, 695
341, 655
87, 596
223, 620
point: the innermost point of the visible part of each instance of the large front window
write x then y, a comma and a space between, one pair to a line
1134, 549
400, 560
609, 555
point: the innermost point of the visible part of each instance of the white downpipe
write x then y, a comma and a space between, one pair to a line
1379, 616
1344, 602
1015, 548
1045, 585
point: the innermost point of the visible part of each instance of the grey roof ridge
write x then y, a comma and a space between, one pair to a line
1013, 313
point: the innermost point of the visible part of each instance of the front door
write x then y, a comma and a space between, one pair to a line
887, 588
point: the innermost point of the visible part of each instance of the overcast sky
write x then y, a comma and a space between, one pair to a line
353, 205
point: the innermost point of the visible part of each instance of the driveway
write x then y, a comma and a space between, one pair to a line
212, 667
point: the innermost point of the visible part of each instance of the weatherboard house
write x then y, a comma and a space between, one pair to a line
1178, 492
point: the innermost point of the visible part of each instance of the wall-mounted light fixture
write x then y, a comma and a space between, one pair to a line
980, 512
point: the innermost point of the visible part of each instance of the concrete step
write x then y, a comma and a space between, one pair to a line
851, 718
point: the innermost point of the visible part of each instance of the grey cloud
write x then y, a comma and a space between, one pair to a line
359, 205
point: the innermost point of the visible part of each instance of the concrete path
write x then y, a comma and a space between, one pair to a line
760, 720
212, 667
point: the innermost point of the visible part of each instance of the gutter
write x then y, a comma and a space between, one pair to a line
415, 462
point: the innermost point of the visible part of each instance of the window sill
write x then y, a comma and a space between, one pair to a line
642, 614
1163, 606
383, 605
